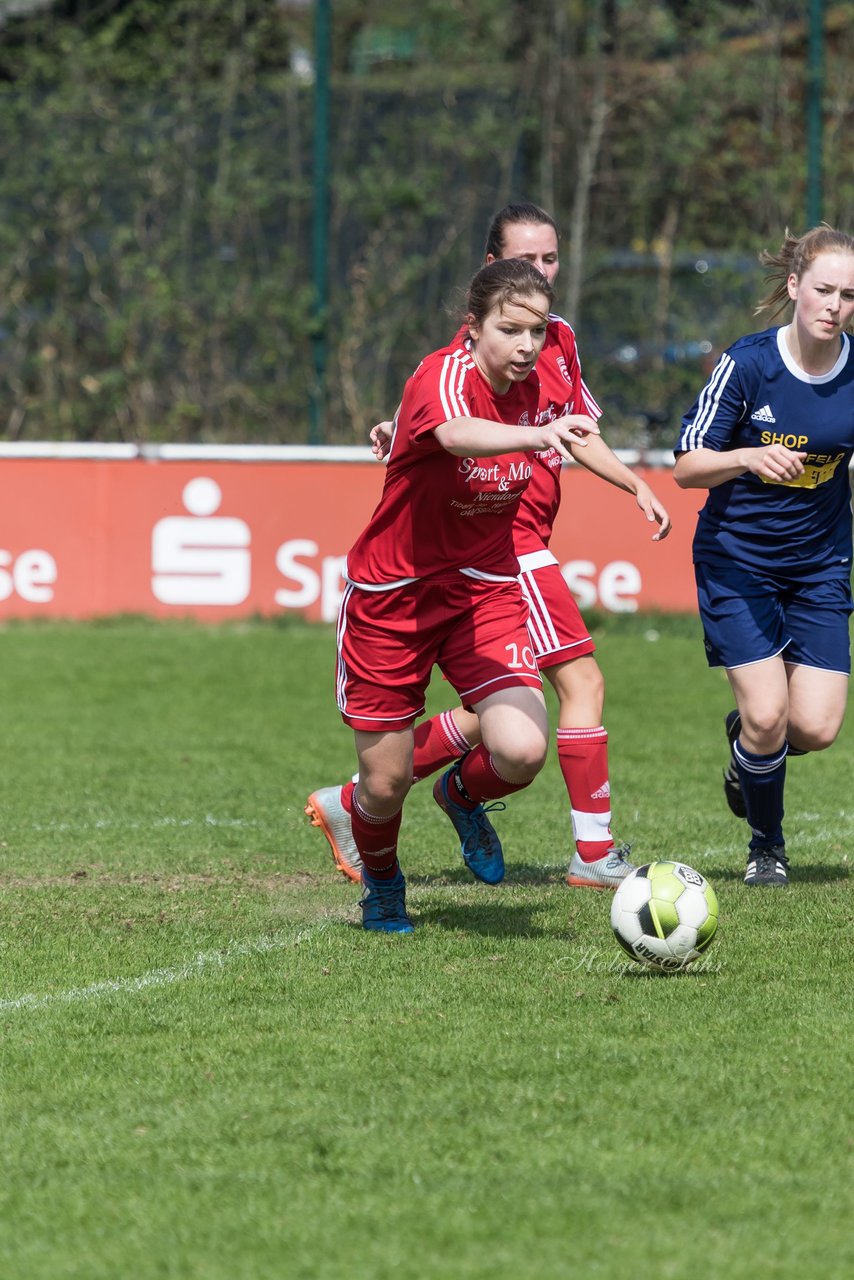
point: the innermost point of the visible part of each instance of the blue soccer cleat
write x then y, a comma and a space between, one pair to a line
384, 904
479, 843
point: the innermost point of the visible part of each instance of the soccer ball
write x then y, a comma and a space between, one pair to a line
664, 915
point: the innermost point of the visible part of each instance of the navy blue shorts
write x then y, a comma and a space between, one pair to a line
749, 616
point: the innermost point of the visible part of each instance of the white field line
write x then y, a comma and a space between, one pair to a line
102, 824
201, 962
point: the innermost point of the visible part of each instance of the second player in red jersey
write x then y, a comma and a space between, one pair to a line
562, 391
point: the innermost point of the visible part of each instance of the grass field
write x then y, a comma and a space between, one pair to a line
210, 1071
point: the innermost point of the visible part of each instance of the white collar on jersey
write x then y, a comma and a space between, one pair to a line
795, 369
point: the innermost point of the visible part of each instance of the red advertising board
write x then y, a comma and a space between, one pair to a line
217, 534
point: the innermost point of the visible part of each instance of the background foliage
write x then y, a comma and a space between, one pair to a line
156, 197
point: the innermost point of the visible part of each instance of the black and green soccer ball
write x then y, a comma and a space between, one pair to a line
664, 915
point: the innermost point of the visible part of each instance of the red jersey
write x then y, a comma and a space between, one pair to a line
562, 391
440, 513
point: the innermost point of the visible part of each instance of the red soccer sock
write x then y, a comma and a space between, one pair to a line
481, 780
583, 758
376, 839
438, 742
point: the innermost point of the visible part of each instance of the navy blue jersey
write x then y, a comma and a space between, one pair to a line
757, 396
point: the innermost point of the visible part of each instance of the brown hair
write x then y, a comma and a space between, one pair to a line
795, 254
503, 281
513, 214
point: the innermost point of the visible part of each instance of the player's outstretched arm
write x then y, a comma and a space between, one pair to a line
601, 461
483, 438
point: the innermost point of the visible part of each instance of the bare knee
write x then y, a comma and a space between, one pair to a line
383, 783
515, 732
817, 702
520, 761
385, 770
382, 794
813, 738
763, 730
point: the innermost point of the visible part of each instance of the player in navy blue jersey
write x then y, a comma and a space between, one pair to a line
771, 437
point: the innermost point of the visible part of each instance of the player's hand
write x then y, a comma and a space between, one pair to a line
653, 510
776, 463
571, 429
381, 439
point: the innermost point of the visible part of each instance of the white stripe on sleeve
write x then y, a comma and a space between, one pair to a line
710, 398
451, 383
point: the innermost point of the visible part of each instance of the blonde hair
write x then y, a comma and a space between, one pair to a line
795, 254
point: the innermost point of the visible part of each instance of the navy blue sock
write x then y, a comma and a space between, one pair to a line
762, 781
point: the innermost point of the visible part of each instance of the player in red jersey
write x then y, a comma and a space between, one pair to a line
432, 581
563, 646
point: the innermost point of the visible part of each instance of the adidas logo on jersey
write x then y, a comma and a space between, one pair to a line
763, 415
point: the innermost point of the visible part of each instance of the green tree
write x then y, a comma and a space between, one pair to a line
156, 197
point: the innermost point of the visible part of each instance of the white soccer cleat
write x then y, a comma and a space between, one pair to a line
607, 872
326, 811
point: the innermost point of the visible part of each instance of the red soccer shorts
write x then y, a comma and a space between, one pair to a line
389, 641
557, 628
